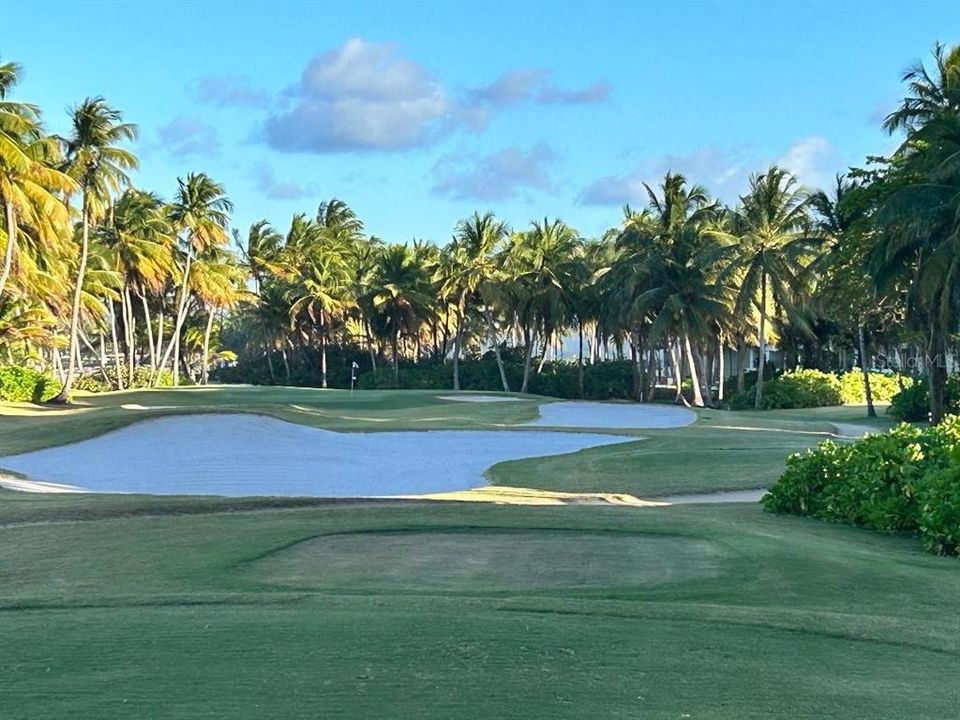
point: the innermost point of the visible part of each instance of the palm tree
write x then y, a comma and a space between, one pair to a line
201, 212
95, 160
261, 251
400, 292
919, 219
325, 280
542, 267
141, 238
472, 253
217, 281
29, 181
771, 238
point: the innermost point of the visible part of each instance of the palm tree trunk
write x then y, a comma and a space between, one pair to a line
286, 361
741, 361
64, 393
149, 331
868, 391
675, 364
937, 373
527, 359
721, 370
496, 349
323, 349
395, 343
273, 375
762, 337
204, 371
458, 339
704, 361
118, 367
100, 357
174, 345
129, 326
543, 356
580, 356
11, 244
694, 380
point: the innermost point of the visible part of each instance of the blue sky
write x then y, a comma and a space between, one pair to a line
419, 113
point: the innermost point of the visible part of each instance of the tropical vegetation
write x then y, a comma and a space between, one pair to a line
108, 285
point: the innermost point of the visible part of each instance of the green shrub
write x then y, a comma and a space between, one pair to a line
94, 382
905, 480
22, 384
912, 404
882, 387
797, 389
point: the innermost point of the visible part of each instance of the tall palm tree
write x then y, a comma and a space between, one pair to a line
29, 180
919, 219
472, 253
217, 282
325, 281
99, 165
400, 292
772, 238
542, 267
200, 212
141, 237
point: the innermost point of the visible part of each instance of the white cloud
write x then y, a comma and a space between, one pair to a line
228, 90
184, 136
268, 185
812, 159
361, 96
724, 173
498, 176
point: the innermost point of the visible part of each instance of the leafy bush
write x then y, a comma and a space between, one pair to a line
23, 384
142, 378
912, 404
797, 389
882, 387
904, 480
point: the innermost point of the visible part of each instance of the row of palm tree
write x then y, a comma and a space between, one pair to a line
682, 284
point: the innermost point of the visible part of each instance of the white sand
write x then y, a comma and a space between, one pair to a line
589, 415
255, 455
478, 398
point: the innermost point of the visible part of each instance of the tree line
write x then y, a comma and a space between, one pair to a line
101, 277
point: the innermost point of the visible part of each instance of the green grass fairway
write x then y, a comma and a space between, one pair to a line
125, 606
472, 611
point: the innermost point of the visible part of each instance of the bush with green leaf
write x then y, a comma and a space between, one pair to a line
905, 480
143, 377
882, 387
912, 404
796, 389
23, 384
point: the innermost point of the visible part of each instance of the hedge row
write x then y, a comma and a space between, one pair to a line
906, 480
815, 388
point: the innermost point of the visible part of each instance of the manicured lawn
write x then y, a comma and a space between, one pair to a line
450, 610
125, 606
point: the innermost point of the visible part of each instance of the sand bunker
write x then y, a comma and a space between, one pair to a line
254, 455
479, 398
612, 415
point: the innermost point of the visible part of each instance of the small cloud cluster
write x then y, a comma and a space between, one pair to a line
268, 185
366, 96
361, 96
228, 91
185, 136
724, 173
502, 175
